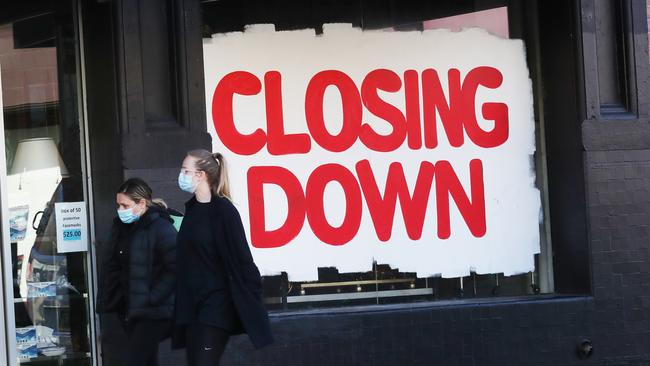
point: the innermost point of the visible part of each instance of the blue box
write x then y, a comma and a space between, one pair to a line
27, 351
41, 289
26, 335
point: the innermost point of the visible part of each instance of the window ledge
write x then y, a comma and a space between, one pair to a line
456, 303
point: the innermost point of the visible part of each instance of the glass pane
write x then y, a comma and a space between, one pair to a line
38, 54
382, 283
494, 21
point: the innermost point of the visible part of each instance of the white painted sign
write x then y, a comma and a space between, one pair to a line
71, 227
411, 148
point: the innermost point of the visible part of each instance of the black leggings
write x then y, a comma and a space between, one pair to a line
205, 344
144, 336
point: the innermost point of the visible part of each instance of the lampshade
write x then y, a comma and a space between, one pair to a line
36, 154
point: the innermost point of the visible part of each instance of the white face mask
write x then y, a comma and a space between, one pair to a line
186, 183
127, 216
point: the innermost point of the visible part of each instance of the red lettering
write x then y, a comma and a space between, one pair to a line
434, 100
243, 83
280, 143
382, 209
389, 81
412, 106
352, 110
455, 111
491, 78
473, 212
316, 184
257, 178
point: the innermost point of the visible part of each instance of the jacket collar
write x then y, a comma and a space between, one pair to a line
193, 201
150, 216
214, 204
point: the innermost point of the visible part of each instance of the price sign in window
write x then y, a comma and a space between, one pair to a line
71, 227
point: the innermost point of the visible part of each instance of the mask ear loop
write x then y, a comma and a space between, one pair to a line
143, 210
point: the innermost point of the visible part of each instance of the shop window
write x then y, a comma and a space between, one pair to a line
49, 318
378, 282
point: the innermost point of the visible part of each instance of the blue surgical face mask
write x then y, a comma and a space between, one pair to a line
186, 183
127, 216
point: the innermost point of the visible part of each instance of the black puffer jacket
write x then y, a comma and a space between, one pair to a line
138, 279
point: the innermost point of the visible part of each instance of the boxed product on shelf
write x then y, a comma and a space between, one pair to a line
52, 351
26, 335
46, 337
26, 343
27, 350
41, 289
18, 222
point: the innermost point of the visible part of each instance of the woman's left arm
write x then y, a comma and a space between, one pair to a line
238, 245
165, 252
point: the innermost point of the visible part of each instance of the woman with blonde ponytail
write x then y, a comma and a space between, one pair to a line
219, 291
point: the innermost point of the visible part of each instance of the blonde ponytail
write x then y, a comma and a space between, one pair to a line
222, 187
159, 202
214, 166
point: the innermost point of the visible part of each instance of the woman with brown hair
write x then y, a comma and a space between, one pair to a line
138, 279
219, 289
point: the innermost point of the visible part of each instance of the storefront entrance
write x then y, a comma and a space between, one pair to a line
46, 233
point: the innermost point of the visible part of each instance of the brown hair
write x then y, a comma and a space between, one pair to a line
138, 190
214, 166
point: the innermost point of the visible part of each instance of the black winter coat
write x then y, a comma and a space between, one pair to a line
244, 280
150, 275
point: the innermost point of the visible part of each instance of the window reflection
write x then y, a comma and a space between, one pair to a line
42, 146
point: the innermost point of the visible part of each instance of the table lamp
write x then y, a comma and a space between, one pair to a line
36, 154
